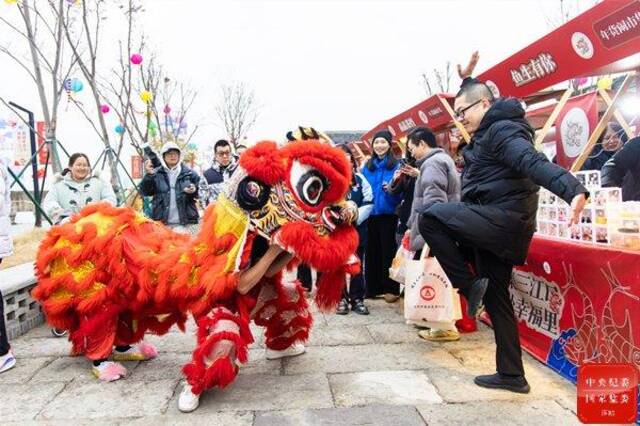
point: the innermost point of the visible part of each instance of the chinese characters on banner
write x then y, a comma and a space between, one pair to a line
537, 302
619, 27
607, 393
535, 68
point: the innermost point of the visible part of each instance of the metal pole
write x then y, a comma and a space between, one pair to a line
34, 164
33, 200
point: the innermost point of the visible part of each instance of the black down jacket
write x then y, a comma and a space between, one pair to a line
500, 182
157, 186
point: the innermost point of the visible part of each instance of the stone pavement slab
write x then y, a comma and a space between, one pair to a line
345, 359
41, 347
521, 413
265, 392
394, 333
22, 402
339, 335
24, 370
124, 398
228, 418
383, 387
371, 415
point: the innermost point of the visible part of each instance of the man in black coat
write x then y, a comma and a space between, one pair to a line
623, 170
174, 190
496, 217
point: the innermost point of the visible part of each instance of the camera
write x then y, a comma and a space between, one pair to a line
152, 156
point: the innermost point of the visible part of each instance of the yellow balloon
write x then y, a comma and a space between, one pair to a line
11, 1
146, 96
605, 83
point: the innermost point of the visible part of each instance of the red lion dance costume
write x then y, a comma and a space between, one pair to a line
110, 275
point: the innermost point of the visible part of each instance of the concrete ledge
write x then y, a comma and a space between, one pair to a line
21, 311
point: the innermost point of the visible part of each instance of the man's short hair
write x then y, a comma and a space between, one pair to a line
422, 134
220, 144
474, 91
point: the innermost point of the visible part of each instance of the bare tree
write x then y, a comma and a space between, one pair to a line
237, 110
47, 63
440, 79
82, 31
566, 10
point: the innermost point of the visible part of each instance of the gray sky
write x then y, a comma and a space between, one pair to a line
330, 64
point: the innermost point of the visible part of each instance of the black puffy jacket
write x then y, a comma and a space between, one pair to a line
500, 182
157, 186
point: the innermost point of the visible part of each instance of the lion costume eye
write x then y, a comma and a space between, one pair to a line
252, 194
308, 183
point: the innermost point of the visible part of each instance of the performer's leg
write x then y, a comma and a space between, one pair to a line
284, 312
129, 346
223, 339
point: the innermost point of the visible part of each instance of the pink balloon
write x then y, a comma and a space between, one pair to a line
167, 109
105, 109
136, 59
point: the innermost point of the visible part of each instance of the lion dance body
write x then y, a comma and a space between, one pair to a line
110, 275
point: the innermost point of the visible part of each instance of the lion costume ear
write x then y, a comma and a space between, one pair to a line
264, 162
308, 133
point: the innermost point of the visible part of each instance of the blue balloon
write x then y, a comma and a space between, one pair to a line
119, 129
76, 85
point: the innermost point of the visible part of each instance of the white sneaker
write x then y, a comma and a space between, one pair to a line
7, 361
293, 350
188, 401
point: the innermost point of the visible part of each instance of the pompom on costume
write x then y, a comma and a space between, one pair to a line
110, 275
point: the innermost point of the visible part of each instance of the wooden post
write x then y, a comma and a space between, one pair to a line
602, 124
458, 124
616, 114
552, 118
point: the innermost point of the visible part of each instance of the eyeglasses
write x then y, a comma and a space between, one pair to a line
223, 154
459, 114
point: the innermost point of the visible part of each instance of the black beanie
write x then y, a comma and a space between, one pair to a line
384, 134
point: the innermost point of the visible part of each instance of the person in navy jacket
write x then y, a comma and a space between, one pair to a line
383, 221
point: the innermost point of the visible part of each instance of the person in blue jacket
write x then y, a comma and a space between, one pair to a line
383, 221
362, 195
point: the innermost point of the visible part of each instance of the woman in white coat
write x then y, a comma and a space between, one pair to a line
7, 360
74, 189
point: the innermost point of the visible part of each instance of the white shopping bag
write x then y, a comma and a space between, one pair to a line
397, 271
429, 296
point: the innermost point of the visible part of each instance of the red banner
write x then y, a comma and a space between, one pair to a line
578, 303
42, 154
136, 167
605, 38
574, 125
430, 113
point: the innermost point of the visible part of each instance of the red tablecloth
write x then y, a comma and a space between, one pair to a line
578, 303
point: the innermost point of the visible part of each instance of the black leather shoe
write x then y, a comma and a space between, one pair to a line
475, 295
359, 308
516, 384
343, 307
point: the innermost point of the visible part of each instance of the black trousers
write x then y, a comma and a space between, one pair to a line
381, 249
304, 276
449, 248
357, 285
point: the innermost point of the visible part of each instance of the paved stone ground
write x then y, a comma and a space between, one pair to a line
358, 370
